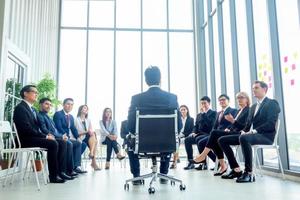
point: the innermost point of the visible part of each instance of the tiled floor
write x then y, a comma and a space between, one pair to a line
109, 184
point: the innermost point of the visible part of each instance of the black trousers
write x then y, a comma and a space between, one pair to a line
62, 155
213, 144
246, 141
111, 145
201, 143
52, 153
135, 163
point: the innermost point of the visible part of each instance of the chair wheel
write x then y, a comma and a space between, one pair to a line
126, 186
182, 187
151, 190
172, 182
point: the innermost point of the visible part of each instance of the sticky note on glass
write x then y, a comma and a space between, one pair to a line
285, 59
293, 66
292, 82
270, 78
286, 70
270, 85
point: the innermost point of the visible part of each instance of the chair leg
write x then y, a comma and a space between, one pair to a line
35, 172
258, 163
9, 164
26, 165
280, 163
43, 167
17, 159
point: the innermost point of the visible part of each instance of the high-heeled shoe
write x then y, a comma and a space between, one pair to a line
196, 162
95, 167
91, 156
220, 173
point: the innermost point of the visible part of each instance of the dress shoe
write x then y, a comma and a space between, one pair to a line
73, 174
56, 180
79, 171
173, 166
107, 165
220, 173
178, 160
163, 181
64, 176
189, 166
120, 157
202, 166
137, 182
233, 174
245, 178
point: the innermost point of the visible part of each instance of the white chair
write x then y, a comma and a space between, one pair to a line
272, 146
15, 152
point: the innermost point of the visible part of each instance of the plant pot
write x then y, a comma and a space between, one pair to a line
38, 165
4, 164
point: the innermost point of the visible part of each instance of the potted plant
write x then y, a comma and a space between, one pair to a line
38, 161
47, 88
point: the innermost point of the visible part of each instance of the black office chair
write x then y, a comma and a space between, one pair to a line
156, 135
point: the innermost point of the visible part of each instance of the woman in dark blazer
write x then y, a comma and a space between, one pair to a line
187, 128
237, 124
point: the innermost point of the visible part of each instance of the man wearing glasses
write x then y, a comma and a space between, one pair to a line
25, 118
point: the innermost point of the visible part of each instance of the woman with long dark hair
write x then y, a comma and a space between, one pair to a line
187, 128
109, 133
86, 133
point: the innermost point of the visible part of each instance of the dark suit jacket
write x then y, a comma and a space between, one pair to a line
204, 122
240, 122
265, 119
47, 125
223, 124
153, 98
124, 129
61, 124
26, 124
188, 127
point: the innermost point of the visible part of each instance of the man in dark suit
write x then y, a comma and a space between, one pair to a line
204, 123
65, 125
47, 126
25, 118
154, 97
259, 129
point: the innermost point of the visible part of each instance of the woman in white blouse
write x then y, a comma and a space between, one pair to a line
109, 136
86, 133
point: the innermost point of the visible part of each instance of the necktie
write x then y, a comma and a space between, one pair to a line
256, 108
33, 112
220, 116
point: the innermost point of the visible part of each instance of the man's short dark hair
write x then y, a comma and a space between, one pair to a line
67, 99
26, 88
225, 96
43, 100
205, 98
152, 75
262, 84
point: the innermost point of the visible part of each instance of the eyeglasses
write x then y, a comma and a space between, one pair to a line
223, 99
34, 91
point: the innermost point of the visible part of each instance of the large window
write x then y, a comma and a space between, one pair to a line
289, 39
106, 45
217, 58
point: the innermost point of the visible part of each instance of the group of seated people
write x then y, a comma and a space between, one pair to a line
65, 138
213, 132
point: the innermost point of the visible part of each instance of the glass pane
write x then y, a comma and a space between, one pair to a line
217, 59
228, 52
128, 71
154, 14
243, 51
155, 53
100, 73
289, 32
101, 14
128, 13
181, 14
262, 44
208, 74
205, 10
74, 13
182, 69
263, 58
72, 67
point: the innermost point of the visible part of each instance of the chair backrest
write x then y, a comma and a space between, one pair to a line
5, 127
156, 131
277, 126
